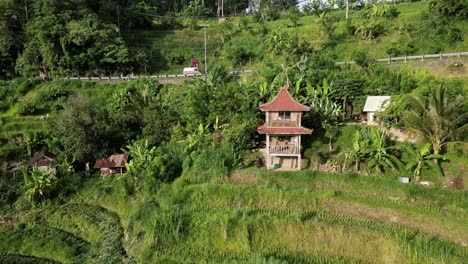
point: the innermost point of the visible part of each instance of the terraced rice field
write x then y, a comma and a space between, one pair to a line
252, 217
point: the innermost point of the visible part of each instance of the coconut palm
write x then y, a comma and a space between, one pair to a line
437, 117
420, 159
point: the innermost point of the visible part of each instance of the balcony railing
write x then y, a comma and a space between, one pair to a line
283, 123
289, 149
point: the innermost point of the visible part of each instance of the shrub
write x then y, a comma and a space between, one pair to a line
28, 108
211, 162
361, 58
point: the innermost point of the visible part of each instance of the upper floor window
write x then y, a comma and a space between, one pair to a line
284, 115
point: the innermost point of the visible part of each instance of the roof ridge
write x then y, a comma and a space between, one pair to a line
283, 101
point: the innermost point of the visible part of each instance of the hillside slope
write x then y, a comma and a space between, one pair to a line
411, 32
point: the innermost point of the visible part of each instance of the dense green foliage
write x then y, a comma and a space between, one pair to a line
110, 37
190, 192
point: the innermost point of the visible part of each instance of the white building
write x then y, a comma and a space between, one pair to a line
375, 104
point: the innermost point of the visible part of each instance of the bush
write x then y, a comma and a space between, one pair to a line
361, 58
240, 50
28, 108
392, 12
211, 162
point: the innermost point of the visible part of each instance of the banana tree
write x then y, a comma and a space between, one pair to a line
39, 184
379, 153
357, 154
420, 159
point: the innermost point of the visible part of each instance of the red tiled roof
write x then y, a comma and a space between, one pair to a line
263, 129
284, 102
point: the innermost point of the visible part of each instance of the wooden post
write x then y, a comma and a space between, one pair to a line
299, 156
268, 151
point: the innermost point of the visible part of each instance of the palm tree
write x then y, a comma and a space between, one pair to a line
421, 159
436, 118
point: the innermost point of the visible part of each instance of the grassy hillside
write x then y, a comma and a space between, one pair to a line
405, 30
253, 217
192, 192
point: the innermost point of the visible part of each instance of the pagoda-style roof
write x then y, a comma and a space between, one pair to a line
263, 129
284, 102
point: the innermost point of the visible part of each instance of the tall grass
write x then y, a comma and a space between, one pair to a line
214, 232
21, 259
214, 220
45, 242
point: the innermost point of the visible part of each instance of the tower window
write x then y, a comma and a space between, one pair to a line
284, 115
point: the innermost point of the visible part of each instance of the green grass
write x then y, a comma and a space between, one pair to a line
45, 242
281, 217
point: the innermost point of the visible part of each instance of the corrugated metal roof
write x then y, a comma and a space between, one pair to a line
284, 102
263, 129
119, 159
43, 154
114, 161
376, 103
104, 163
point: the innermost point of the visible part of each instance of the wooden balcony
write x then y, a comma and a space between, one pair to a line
289, 149
283, 123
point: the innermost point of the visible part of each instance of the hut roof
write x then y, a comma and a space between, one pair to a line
376, 103
284, 102
119, 159
43, 154
114, 161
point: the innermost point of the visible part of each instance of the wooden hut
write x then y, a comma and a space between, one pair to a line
41, 161
113, 164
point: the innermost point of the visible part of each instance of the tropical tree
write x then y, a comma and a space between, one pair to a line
437, 117
379, 152
146, 168
420, 159
39, 184
357, 154
294, 15
328, 111
81, 131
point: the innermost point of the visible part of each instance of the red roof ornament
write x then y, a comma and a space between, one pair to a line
284, 102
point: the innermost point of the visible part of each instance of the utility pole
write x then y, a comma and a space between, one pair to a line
347, 9
206, 62
26, 10
118, 18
